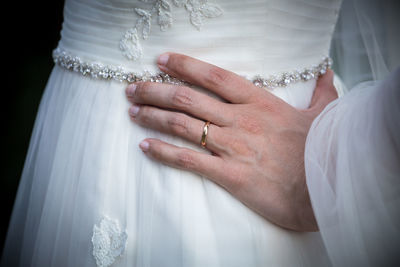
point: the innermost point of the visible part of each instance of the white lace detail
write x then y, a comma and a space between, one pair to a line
198, 10
108, 242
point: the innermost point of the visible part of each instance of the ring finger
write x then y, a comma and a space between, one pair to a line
179, 124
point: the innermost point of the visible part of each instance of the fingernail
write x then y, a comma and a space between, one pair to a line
133, 110
130, 90
144, 145
163, 59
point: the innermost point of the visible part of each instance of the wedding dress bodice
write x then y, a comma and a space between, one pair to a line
258, 37
88, 194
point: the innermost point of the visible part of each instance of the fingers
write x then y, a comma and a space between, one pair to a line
224, 83
325, 92
179, 124
181, 98
212, 167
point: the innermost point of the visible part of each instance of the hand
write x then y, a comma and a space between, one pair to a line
257, 140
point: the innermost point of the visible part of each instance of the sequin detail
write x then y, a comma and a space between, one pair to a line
117, 73
198, 10
108, 242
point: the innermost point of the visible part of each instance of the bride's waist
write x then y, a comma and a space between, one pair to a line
116, 33
98, 66
245, 61
295, 87
243, 53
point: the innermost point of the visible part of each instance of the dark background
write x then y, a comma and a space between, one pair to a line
30, 31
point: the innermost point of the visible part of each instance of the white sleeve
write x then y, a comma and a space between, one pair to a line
352, 162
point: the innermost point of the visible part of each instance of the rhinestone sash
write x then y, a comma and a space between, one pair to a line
117, 73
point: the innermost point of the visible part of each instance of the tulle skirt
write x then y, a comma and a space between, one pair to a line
85, 179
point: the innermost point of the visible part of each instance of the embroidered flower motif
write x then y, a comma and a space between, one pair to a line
201, 9
130, 45
143, 22
198, 10
108, 242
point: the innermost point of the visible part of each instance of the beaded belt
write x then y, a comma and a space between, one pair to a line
117, 73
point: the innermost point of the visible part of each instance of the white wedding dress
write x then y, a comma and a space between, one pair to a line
88, 195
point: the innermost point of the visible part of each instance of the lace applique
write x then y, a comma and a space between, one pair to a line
108, 242
198, 10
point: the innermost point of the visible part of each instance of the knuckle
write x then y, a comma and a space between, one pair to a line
179, 124
218, 76
182, 97
237, 181
249, 124
142, 90
146, 114
185, 160
238, 147
177, 62
155, 152
268, 105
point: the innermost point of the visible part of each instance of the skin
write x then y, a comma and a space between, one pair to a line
257, 140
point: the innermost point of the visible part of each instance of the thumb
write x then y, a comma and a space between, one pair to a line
324, 93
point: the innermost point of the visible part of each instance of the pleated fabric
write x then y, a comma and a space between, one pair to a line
250, 37
84, 166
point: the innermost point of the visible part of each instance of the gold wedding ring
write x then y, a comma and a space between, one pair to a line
204, 136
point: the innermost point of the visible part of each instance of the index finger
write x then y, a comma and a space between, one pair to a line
224, 83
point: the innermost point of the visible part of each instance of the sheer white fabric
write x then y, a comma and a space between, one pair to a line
364, 45
352, 156
353, 175
84, 163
